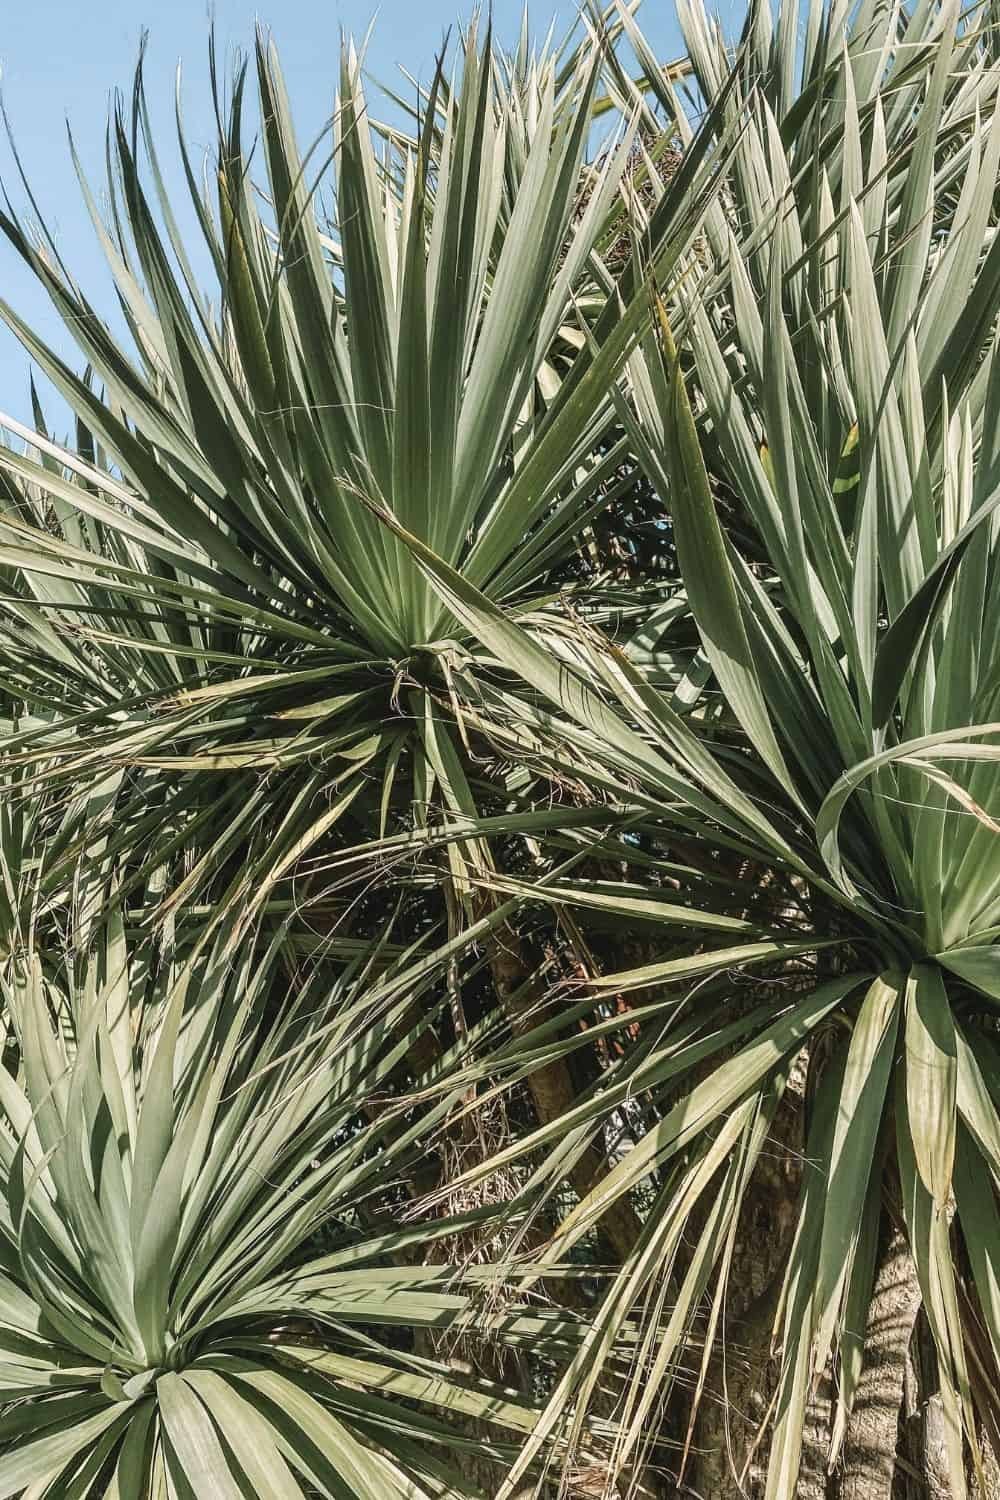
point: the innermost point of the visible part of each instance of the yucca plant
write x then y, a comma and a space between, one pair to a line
206, 584
204, 1288
836, 398
322, 532
205, 601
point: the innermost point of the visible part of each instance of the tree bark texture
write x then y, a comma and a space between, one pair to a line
869, 1459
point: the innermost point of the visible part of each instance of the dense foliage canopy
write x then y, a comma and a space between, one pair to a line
501, 744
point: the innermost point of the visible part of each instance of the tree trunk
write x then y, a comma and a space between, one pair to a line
521, 989
922, 1472
869, 1460
731, 1453
728, 1456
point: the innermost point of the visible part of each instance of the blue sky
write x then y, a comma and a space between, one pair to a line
62, 60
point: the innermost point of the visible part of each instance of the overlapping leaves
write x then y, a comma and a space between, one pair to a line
352, 491
170, 1322
206, 585
826, 380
